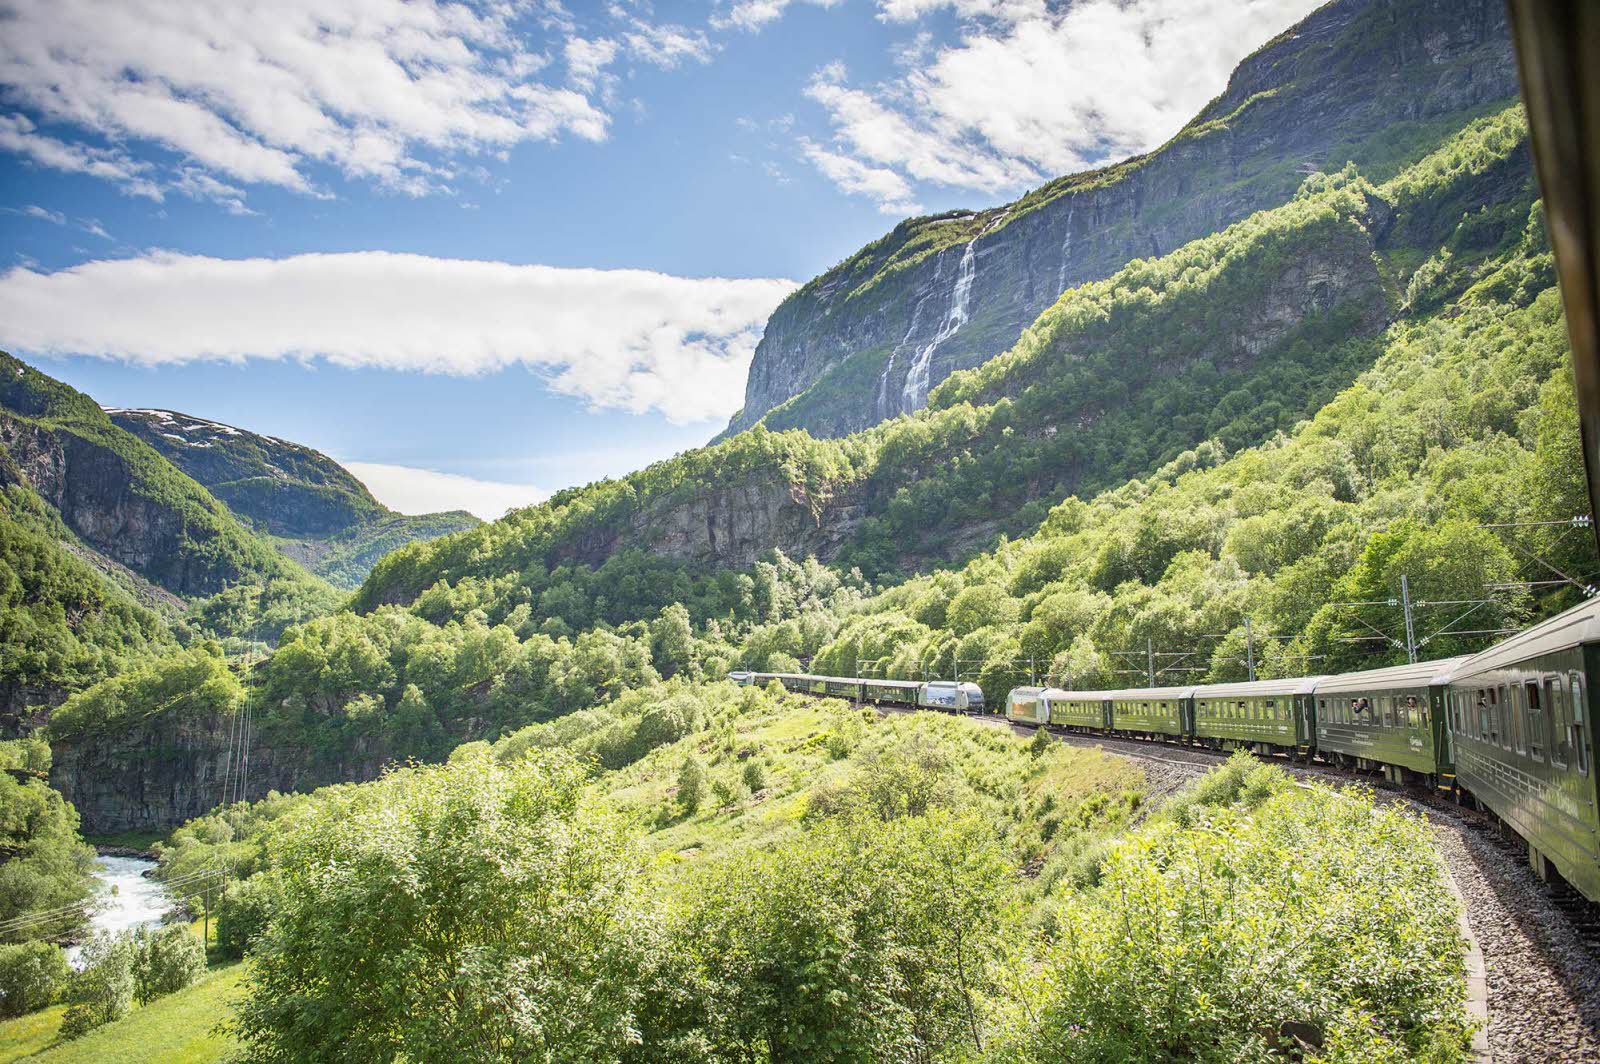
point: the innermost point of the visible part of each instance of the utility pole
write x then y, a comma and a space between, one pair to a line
1150, 658
1249, 650
1411, 632
1033, 674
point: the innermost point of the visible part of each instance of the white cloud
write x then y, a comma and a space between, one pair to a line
587, 58
626, 339
890, 190
33, 210
753, 15
667, 45
1031, 90
19, 134
254, 92
425, 491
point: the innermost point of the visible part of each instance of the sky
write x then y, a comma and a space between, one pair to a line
482, 251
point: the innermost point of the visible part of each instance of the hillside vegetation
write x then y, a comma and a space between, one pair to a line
774, 878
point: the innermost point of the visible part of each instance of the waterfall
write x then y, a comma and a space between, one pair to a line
885, 404
1066, 248
915, 392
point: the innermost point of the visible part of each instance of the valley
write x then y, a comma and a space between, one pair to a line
1288, 396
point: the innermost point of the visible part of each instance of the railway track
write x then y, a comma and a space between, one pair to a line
1539, 945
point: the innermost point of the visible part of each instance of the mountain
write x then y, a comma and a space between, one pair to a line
1233, 337
1442, 403
1375, 82
119, 496
316, 511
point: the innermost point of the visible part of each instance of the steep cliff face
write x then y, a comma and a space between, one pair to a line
318, 512
165, 770
1373, 81
730, 525
103, 495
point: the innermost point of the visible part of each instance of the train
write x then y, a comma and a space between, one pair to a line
1506, 729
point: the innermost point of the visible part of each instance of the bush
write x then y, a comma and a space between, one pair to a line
103, 991
755, 775
165, 961
691, 785
30, 976
242, 915
1316, 914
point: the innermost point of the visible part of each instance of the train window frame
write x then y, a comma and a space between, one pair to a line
1505, 722
1539, 714
1577, 693
1516, 702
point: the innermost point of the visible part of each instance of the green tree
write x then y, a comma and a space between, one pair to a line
31, 974
691, 785
854, 941
165, 961
102, 990
474, 911
672, 640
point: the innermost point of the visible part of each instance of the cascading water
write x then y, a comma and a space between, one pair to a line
915, 391
1066, 249
885, 402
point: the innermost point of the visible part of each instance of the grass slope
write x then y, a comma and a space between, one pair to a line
180, 1028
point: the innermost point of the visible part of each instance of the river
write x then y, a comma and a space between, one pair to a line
130, 900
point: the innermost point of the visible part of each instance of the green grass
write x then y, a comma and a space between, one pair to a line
24, 1036
177, 1029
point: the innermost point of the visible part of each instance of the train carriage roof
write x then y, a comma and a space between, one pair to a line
1057, 694
1579, 625
1419, 674
1147, 694
1293, 685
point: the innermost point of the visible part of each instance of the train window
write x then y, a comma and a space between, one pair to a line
1516, 706
1502, 710
1538, 715
1579, 743
1413, 712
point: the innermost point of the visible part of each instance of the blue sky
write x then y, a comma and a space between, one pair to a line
519, 243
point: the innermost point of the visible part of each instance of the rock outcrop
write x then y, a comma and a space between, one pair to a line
1366, 80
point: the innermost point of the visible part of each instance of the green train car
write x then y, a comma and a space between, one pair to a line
1524, 747
1151, 711
1079, 710
1269, 716
1390, 719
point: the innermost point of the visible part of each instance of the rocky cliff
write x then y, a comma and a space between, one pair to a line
165, 770
1370, 81
117, 499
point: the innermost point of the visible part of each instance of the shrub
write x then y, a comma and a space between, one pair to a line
165, 961
103, 991
30, 976
1317, 914
691, 785
755, 775
242, 915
